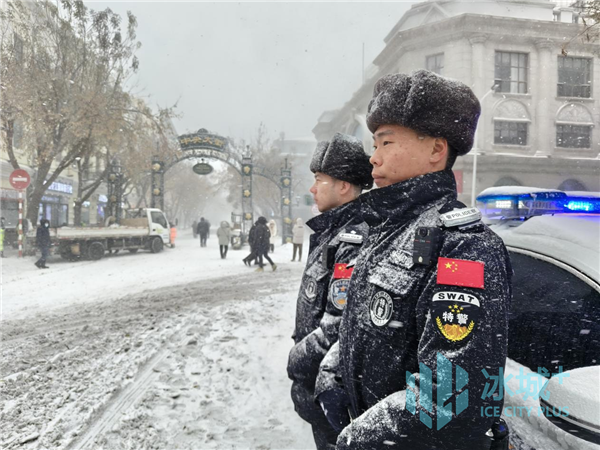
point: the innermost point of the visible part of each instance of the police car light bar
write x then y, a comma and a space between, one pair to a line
519, 202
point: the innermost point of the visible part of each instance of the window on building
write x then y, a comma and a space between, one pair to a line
574, 77
435, 63
511, 72
510, 133
573, 136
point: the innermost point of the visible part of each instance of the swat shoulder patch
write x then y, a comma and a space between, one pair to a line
460, 217
456, 314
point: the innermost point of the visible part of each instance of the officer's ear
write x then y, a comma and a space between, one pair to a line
345, 187
439, 152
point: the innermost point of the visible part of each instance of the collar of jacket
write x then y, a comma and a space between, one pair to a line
402, 201
335, 217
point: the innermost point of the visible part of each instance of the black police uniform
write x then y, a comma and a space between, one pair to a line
400, 319
321, 300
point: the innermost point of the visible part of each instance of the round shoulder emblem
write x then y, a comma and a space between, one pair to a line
310, 289
381, 308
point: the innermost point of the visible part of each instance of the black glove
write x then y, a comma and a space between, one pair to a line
334, 404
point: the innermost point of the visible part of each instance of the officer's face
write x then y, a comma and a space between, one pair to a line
325, 192
399, 154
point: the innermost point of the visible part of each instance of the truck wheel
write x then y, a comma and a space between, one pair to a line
95, 251
133, 250
156, 245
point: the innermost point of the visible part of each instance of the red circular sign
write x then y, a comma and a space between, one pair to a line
19, 179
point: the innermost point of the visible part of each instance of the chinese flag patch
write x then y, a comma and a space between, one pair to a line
342, 271
458, 272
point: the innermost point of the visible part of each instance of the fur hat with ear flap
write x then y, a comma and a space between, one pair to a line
426, 103
343, 158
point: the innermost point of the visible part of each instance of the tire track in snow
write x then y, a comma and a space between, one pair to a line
123, 400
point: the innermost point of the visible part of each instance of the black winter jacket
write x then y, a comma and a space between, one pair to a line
399, 321
322, 298
42, 235
261, 238
203, 227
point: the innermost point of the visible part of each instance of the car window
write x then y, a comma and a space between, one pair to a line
159, 219
553, 317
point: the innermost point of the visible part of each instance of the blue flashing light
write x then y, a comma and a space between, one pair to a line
580, 206
525, 205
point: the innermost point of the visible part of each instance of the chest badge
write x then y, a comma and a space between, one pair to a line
339, 293
311, 289
381, 308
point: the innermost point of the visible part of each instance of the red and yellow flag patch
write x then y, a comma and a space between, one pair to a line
459, 272
342, 271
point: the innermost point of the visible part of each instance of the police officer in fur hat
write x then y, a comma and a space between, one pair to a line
342, 171
427, 308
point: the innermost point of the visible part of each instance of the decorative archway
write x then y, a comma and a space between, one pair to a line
203, 144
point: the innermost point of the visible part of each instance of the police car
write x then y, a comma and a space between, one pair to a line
553, 238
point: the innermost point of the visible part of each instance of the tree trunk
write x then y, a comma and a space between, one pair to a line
77, 213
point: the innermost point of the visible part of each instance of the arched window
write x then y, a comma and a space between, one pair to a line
574, 127
572, 185
508, 181
511, 123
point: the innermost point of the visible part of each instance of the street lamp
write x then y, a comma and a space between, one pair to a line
474, 180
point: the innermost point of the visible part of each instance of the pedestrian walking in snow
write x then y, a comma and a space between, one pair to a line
428, 294
203, 230
224, 235
173, 234
194, 228
261, 244
298, 238
42, 240
342, 170
251, 240
273, 238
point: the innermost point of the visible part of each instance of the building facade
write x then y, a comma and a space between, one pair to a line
537, 83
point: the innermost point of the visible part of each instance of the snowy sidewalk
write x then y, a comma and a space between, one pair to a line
175, 350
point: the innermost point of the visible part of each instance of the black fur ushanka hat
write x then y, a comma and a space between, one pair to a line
343, 158
426, 103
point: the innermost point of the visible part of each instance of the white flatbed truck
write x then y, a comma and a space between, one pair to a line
140, 229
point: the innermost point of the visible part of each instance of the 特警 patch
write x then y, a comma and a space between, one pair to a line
455, 314
339, 293
311, 289
381, 308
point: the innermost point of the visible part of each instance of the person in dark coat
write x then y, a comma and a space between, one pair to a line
203, 231
42, 240
427, 309
251, 239
342, 170
262, 237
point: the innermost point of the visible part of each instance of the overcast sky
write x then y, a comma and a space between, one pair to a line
231, 66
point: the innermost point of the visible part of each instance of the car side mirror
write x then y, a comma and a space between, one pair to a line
571, 401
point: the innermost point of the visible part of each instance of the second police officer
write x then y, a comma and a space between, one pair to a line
342, 170
428, 306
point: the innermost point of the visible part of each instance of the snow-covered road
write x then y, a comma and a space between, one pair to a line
175, 350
